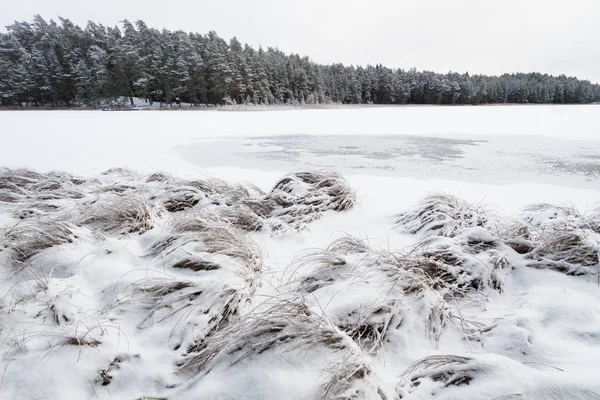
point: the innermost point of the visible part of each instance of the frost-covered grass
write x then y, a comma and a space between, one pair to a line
131, 285
167, 281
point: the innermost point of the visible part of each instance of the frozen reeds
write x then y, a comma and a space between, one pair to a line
446, 370
350, 378
117, 215
214, 235
302, 197
551, 236
181, 198
564, 239
444, 215
282, 326
570, 252
29, 238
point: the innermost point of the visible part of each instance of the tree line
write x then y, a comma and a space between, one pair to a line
48, 63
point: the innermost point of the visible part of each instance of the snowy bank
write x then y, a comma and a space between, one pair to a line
128, 285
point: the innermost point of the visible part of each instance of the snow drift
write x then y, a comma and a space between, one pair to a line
133, 286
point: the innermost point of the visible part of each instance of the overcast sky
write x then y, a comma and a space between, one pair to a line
479, 36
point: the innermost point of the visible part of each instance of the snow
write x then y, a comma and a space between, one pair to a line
502, 143
545, 326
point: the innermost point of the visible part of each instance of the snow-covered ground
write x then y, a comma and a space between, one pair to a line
90, 306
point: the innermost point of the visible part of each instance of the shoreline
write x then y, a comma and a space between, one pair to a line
242, 107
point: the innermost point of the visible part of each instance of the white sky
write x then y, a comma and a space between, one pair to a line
479, 36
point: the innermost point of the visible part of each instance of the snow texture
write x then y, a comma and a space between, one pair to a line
137, 285
185, 284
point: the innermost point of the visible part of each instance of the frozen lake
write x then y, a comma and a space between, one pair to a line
556, 145
499, 159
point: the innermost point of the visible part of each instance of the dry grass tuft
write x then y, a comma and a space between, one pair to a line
74, 341
181, 198
219, 190
159, 177
563, 239
325, 267
426, 274
538, 214
224, 308
348, 244
119, 188
219, 303
282, 325
17, 180
56, 186
9, 197
260, 206
302, 197
228, 241
197, 265
168, 244
160, 289
192, 222
326, 190
29, 238
460, 270
48, 185
44, 206
295, 201
125, 172
452, 266
448, 370
569, 252
369, 326
242, 217
444, 215
591, 219
117, 215
214, 235
518, 236
399, 278
351, 378
464, 246
162, 294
